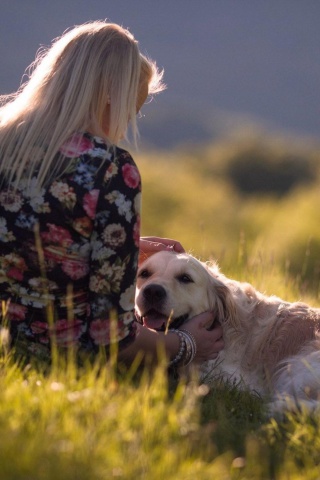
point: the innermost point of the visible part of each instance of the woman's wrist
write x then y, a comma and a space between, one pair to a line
187, 349
150, 344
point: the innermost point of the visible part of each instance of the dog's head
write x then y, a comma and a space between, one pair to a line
175, 287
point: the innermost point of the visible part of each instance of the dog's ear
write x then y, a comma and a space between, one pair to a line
225, 304
222, 302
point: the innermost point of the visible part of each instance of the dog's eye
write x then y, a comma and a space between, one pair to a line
184, 278
144, 273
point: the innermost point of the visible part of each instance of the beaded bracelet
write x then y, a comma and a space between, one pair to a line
189, 351
187, 348
182, 348
192, 350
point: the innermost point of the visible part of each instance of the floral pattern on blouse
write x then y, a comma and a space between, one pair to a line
69, 251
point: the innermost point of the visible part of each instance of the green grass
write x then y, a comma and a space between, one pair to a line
96, 423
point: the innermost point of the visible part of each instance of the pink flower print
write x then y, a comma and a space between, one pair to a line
100, 331
76, 145
75, 269
131, 175
15, 266
39, 327
90, 201
57, 235
67, 332
15, 273
16, 312
136, 232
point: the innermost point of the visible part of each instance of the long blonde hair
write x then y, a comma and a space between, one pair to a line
69, 87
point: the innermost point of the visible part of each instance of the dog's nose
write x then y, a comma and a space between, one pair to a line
154, 293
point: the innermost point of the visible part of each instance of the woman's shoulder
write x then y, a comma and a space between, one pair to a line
86, 143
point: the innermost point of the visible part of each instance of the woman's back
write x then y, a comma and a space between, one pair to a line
67, 255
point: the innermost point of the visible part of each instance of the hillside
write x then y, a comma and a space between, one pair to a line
198, 195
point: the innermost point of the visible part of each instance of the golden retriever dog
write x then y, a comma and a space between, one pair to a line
272, 346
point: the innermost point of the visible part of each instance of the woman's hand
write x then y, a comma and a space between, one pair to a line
151, 245
209, 342
148, 341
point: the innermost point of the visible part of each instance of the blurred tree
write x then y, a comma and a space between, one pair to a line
264, 171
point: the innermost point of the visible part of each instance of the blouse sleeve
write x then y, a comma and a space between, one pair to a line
114, 253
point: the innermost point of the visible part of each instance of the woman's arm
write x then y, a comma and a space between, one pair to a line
150, 343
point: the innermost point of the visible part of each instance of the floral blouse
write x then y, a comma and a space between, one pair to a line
69, 252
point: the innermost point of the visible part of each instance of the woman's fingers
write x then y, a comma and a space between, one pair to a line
151, 245
209, 340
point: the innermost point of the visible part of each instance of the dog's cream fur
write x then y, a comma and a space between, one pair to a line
271, 346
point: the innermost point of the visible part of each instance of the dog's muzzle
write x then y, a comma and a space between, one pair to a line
153, 299
154, 294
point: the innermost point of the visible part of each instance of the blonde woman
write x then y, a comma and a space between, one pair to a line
70, 199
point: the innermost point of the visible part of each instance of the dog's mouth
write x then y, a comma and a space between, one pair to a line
160, 322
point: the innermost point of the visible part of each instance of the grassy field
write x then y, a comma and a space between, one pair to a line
97, 423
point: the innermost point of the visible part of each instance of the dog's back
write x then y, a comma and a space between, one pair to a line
271, 346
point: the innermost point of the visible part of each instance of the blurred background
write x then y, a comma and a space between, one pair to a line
229, 153
227, 62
